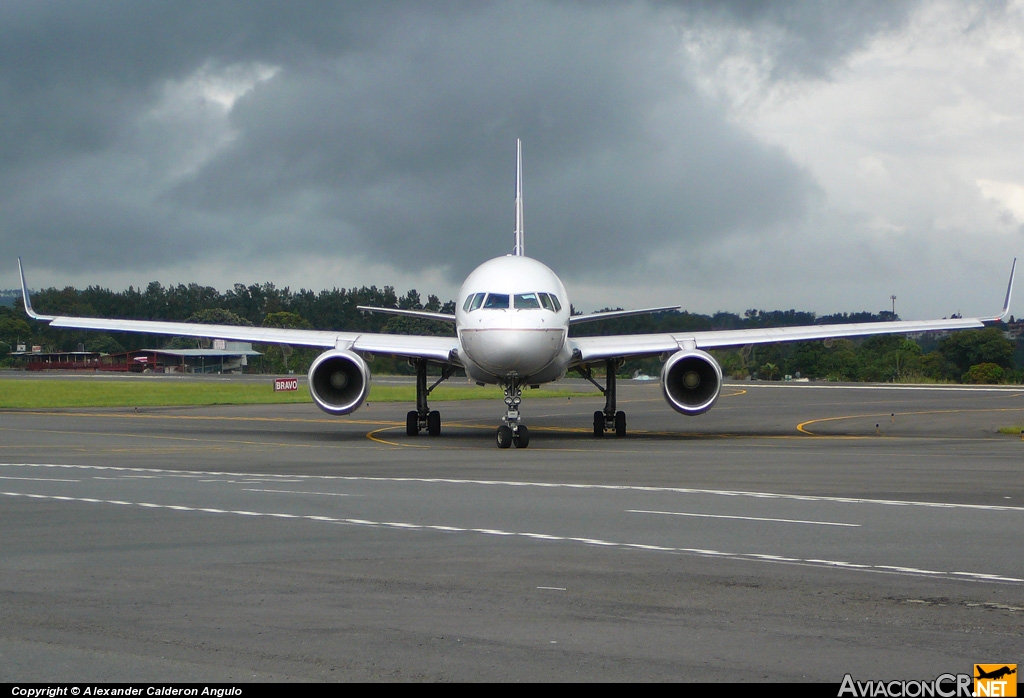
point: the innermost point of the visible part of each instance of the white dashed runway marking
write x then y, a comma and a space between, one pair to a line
718, 521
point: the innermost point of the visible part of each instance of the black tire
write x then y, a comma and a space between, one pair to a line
620, 423
434, 423
599, 424
504, 436
521, 438
412, 424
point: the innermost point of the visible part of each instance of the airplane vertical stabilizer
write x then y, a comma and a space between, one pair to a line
517, 248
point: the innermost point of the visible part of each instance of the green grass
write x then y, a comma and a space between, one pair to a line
50, 393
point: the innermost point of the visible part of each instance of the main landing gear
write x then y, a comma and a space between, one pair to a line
512, 432
609, 419
423, 418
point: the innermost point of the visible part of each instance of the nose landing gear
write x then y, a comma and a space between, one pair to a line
512, 433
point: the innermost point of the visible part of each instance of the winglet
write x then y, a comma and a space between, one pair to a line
1006, 302
517, 249
28, 303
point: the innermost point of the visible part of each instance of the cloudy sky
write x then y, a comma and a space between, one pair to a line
718, 155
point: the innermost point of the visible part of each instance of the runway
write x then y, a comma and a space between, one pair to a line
795, 532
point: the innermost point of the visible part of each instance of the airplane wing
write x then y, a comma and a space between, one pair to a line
587, 349
442, 349
421, 314
619, 346
592, 317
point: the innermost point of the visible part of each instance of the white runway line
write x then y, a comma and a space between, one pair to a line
740, 518
268, 478
397, 525
38, 479
325, 494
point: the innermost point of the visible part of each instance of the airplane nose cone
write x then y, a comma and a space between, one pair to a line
523, 351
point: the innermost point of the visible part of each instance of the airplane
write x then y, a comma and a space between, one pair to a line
994, 674
512, 323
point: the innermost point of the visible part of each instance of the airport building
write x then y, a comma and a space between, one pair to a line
222, 357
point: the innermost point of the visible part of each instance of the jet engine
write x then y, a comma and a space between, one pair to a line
339, 381
691, 381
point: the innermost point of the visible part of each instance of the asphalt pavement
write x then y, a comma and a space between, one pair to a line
796, 532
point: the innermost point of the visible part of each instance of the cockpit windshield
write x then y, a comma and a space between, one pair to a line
473, 302
496, 301
520, 301
527, 301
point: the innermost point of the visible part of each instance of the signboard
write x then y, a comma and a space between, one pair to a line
285, 384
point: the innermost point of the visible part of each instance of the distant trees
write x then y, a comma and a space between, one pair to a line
984, 373
972, 347
12, 330
891, 358
218, 316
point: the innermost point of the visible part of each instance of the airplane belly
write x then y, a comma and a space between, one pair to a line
520, 351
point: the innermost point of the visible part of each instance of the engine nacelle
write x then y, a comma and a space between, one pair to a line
691, 381
339, 381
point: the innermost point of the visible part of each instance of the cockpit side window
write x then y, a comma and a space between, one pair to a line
474, 301
527, 301
545, 300
496, 301
554, 299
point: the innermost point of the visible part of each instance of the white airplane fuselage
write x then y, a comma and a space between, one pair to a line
512, 320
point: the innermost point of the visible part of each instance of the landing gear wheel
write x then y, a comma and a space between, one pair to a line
620, 423
521, 438
412, 423
599, 423
504, 436
434, 423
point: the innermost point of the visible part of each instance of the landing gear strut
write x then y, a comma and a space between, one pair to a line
609, 419
423, 417
512, 432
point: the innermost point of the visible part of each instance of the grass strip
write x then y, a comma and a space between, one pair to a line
55, 393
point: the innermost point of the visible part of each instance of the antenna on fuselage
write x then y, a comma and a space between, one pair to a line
517, 248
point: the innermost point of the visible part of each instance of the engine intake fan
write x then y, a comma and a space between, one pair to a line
339, 381
691, 381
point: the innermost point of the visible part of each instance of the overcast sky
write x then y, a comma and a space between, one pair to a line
719, 155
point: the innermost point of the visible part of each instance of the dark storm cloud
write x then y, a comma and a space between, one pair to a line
388, 130
810, 36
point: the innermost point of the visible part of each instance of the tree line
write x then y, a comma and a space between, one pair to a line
977, 356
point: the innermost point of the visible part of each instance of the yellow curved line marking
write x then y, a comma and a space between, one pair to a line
801, 426
372, 436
